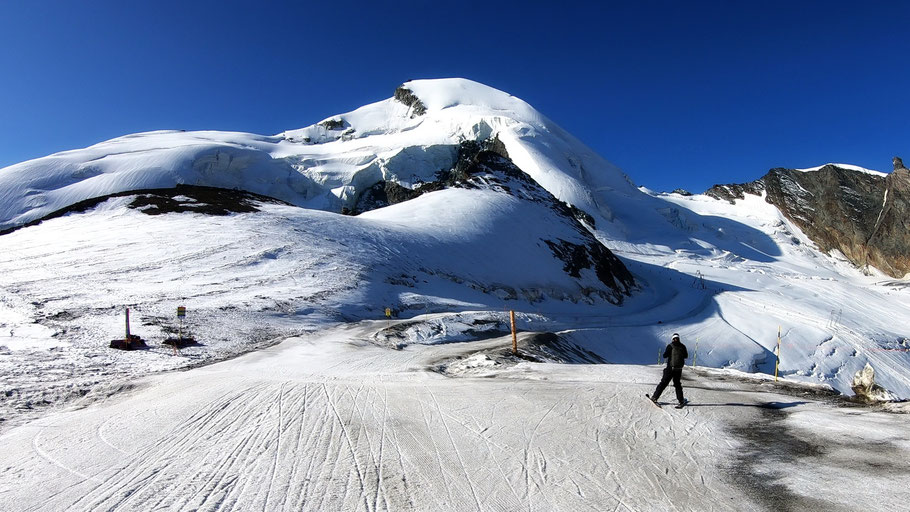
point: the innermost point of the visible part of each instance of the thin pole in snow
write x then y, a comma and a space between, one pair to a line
181, 313
777, 361
514, 336
127, 339
695, 356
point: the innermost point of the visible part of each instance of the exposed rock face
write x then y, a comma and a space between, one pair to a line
406, 96
836, 208
889, 245
488, 169
731, 193
180, 199
485, 165
386, 193
332, 124
864, 216
898, 163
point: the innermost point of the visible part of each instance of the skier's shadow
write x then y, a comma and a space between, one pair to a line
763, 405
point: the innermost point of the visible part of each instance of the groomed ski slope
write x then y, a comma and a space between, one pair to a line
333, 422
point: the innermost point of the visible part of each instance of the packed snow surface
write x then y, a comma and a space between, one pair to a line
334, 422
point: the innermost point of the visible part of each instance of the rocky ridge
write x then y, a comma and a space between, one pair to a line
486, 165
863, 215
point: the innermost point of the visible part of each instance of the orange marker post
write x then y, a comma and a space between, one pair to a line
514, 336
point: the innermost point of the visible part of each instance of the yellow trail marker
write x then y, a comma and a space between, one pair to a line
777, 362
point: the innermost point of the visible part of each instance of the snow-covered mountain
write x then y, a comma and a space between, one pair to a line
468, 203
325, 166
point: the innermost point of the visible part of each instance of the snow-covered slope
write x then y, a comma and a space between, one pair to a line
764, 275
324, 166
725, 276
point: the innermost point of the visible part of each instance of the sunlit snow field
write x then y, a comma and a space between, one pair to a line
340, 408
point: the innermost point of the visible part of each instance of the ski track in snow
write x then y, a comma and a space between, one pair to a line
282, 430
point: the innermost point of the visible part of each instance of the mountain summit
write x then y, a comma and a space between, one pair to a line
325, 166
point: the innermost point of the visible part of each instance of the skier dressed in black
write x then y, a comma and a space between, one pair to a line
676, 355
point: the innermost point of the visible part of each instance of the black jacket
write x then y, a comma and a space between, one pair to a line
676, 355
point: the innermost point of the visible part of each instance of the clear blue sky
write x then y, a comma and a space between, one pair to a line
678, 94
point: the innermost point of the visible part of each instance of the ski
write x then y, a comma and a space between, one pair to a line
652, 401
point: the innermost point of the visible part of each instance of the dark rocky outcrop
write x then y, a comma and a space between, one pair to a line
864, 216
480, 167
196, 199
609, 269
387, 193
888, 246
835, 207
731, 193
332, 124
179, 199
407, 96
485, 165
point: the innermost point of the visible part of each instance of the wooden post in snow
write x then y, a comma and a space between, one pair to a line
514, 336
181, 313
127, 338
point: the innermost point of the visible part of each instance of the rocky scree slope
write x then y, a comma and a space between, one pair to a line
864, 215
